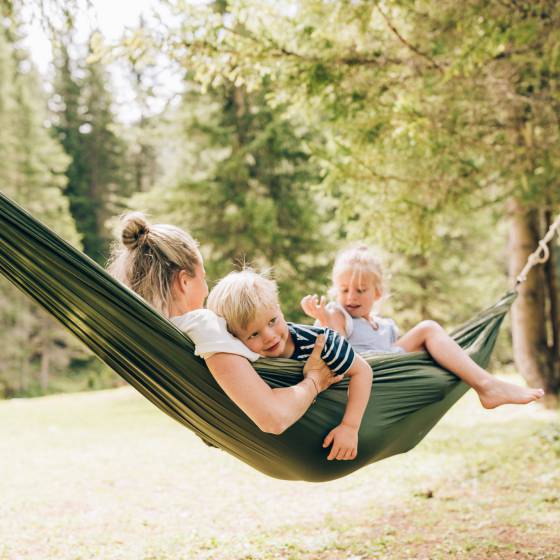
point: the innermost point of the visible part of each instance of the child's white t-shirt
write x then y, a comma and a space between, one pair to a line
209, 333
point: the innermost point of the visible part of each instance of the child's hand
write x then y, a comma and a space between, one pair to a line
344, 441
316, 308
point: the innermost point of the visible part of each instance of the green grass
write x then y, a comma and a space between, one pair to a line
106, 475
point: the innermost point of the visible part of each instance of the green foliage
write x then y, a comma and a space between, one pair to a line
431, 116
85, 126
32, 167
431, 133
304, 126
245, 190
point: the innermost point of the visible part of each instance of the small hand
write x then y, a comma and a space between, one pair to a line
344, 441
316, 308
316, 368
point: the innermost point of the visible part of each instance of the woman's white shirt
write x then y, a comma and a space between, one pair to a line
209, 333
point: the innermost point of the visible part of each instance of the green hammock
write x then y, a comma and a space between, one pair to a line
410, 392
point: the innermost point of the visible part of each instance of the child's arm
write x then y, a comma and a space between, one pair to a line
344, 437
327, 317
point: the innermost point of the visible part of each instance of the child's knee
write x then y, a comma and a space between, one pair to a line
430, 327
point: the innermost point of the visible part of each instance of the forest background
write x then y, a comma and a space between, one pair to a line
428, 129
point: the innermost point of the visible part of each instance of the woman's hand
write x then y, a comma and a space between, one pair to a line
317, 370
344, 439
316, 308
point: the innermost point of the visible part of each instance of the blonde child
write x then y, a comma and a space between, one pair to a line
358, 285
249, 303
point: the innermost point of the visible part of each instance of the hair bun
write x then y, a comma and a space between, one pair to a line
135, 229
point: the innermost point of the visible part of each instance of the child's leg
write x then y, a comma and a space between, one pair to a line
430, 336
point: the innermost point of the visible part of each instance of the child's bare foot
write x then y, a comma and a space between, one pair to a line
497, 392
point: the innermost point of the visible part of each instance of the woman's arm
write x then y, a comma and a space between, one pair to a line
272, 410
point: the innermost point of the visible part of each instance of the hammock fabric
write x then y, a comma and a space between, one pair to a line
410, 392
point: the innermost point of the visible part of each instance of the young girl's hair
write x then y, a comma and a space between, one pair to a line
240, 296
147, 258
360, 259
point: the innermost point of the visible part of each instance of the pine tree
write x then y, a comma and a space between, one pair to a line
86, 128
243, 186
32, 166
105, 153
432, 115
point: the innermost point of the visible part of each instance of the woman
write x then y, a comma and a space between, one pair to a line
162, 264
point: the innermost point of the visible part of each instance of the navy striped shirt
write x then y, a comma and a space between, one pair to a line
337, 352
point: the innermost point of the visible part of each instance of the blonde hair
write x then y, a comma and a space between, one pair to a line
240, 296
147, 258
360, 259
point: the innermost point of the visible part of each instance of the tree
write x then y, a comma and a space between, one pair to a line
429, 113
144, 73
32, 166
244, 189
85, 126
242, 182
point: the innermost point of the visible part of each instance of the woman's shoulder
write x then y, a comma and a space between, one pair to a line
210, 335
198, 318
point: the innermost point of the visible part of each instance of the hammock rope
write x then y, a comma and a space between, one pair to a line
540, 255
410, 392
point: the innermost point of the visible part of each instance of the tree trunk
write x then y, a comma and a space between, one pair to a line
45, 365
529, 313
551, 282
24, 319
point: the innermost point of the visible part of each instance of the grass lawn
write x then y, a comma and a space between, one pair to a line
106, 475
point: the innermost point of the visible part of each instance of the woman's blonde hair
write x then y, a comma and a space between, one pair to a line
148, 256
240, 296
360, 259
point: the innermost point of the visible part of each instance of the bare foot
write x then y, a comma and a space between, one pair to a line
498, 392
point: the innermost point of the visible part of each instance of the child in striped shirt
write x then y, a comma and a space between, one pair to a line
249, 303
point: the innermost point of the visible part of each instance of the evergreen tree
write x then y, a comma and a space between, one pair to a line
142, 137
106, 167
432, 114
245, 190
245, 186
32, 167
85, 126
